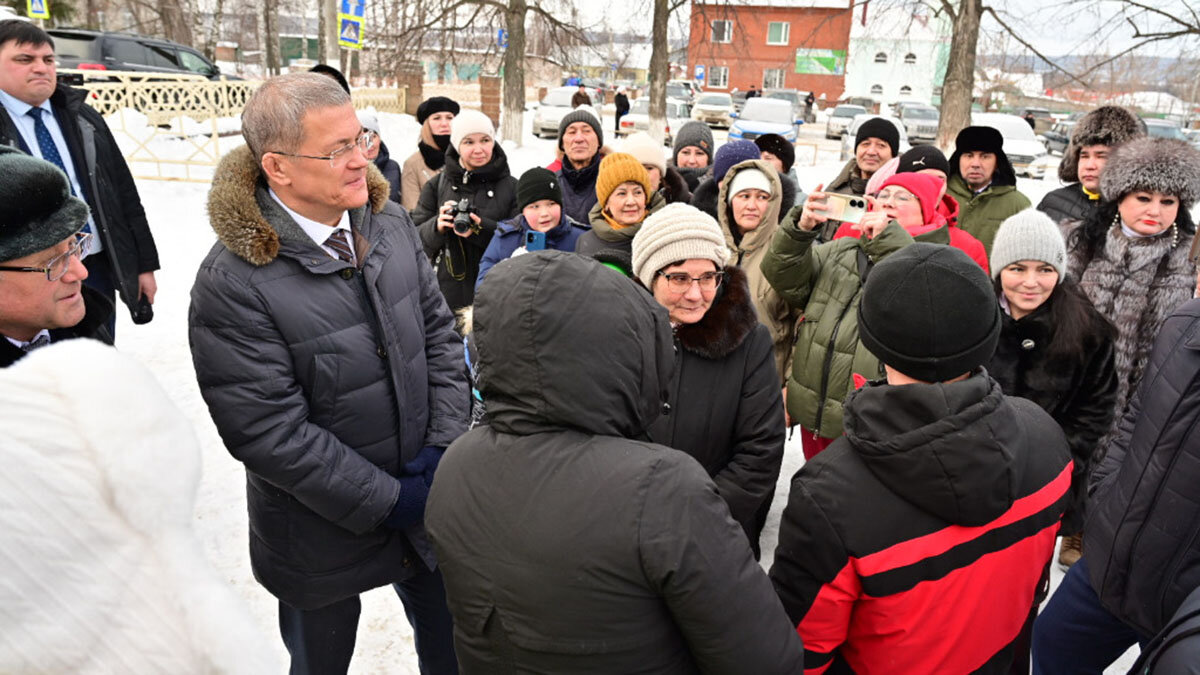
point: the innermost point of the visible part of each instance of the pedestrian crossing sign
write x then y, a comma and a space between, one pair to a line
38, 9
349, 31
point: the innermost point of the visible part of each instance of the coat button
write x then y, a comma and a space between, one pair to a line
407, 562
381, 352
666, 410
491, 194
1028, 344
347, 273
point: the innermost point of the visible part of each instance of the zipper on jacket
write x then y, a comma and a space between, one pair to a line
827, 366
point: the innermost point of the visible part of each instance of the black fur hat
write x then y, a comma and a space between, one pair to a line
1153, 164
39, 210
1107, 125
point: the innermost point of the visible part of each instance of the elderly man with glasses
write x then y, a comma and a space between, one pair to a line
331, 368
42, 296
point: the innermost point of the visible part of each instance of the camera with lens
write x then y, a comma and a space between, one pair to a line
461, 213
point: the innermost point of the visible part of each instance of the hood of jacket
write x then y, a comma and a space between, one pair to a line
492, 172
604, 229
727, 322
948, 207
567, 343
946, 448
761, 235
236, 217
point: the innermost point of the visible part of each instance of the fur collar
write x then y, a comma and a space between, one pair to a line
726, 324
236, 217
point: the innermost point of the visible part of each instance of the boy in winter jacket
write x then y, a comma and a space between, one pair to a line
917, 542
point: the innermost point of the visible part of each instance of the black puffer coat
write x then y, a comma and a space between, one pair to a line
1067, 203
565, 547
493, 192
727, 409
1080, 392
1141, 537
324, 380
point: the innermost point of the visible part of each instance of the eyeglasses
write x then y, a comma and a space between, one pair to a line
57, 266
341, 155
900, 196
681, 282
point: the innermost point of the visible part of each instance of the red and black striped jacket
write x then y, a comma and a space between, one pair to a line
917, 542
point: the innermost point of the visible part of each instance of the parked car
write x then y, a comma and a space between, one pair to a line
852, 130
679, 113
713, 109
1193, 137
920, 122
1164, 129
97, 50
840, 118
1058, 137
765, 116
791, 96
682, 90
1023, 148
550, 111
1042, 119
739, 100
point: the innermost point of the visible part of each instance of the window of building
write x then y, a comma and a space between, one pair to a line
910, 58
718, 77
881, 58
877, 89
778, 32
722, 31
906, 90
773, 78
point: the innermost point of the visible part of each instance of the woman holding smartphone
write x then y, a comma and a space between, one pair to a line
541, 224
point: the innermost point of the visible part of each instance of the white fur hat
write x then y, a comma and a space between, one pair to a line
649, 153
673, 233
470, 122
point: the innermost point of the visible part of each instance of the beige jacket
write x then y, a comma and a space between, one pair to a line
415, 173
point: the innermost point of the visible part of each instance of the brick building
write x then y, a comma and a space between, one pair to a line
790, 44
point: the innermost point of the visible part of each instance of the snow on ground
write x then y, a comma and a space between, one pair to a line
178, 217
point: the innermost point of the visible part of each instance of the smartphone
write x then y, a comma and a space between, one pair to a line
535, 241
846, 208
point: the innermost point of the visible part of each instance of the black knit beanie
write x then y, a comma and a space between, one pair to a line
537, 184
930, 312
878, 127
435, 104
923, 157
780, 147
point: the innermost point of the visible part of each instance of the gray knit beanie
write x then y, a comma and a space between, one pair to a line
696, 134
39, 210
584, 113
676, 232
1029, 235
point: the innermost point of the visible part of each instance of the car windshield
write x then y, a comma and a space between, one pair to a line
677, 91
72, 47
766, 110
558, 97
642, 105
848, 110
920, 113
1013, 128
1163, 130
715, 99
789, 96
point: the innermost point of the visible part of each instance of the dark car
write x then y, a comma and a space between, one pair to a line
96, 50
1059, 136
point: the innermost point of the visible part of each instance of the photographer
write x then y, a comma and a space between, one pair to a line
458, 211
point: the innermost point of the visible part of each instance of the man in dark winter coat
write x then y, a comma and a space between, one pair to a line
42, 296
330, 365
1096, 135
1141, 558
54, 123
581, 141
692, 152
581, 97
622, 104
984, 183
567, 548
922, 536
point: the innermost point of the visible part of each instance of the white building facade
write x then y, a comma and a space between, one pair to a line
897, 54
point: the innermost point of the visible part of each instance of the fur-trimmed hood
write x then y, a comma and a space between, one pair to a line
1155, 164
1108, 125
762, 235
236, 217
727, 322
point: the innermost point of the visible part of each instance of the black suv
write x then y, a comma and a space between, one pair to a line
95, 50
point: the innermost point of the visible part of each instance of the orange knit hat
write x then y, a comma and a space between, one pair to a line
618, 168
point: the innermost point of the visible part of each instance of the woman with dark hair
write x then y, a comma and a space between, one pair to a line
1055, 349
435, 115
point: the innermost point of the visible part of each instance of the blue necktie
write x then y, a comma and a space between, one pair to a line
50, 150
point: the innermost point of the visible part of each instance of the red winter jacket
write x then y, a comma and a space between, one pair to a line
918, 541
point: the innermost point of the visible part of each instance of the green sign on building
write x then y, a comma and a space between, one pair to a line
821, 61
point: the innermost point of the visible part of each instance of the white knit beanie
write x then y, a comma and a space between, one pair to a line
369, 121
748, 179
1029, 235
469, 122
645, 150
676, 232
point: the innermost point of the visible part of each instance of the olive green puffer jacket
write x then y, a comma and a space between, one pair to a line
824, 281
